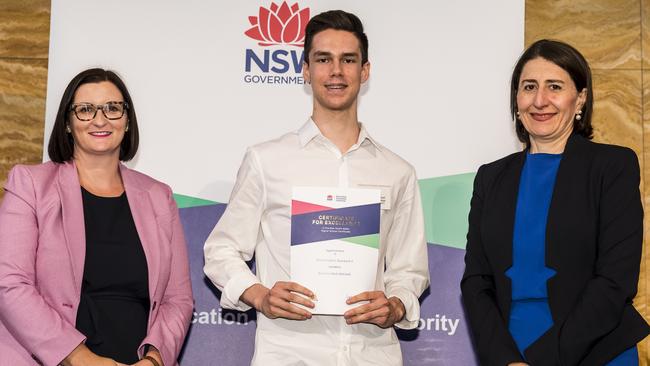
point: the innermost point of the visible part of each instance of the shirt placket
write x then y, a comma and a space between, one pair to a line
344, 166
343, 169
344, 179
344, 352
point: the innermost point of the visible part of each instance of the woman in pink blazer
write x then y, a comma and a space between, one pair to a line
93, 261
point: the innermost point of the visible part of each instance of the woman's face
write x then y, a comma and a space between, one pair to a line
547, 101
99, 136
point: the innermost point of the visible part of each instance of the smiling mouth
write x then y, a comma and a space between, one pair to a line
542, 116
336, 86
100, 133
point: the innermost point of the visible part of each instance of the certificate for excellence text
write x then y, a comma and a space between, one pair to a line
335, 243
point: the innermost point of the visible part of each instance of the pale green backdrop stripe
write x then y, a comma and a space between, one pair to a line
445, 201
183, 201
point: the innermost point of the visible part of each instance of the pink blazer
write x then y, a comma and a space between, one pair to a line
42, 251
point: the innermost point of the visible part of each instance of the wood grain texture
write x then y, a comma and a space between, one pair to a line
645, 33
605, 31
24, 48
22, 112
24, 28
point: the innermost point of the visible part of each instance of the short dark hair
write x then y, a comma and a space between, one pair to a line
60, 148
337, 20
571, 61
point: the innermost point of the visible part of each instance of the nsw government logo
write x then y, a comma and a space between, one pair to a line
280, 35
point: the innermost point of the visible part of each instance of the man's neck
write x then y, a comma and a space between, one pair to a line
340, 127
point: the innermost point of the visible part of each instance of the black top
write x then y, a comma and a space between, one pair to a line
114, 306
594, 236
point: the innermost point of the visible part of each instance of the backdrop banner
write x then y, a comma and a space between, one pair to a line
210, 78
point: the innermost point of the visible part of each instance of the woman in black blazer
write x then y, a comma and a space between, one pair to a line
555, 231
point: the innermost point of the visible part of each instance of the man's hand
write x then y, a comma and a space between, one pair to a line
380, 311
278, 302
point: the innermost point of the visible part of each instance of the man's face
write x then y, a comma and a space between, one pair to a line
335, 70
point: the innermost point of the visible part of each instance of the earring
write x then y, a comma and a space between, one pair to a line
579, 115
67, 129
126, 129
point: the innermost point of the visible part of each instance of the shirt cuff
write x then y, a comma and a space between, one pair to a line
233, 290
411, 306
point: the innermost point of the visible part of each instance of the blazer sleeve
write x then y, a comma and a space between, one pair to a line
494, 344
616, 271
23, 310
169, 328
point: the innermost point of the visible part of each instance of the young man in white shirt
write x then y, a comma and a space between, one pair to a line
331, 149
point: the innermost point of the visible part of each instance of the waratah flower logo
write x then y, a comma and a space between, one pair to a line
279, 25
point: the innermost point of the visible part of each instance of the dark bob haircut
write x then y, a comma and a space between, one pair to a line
61, 145
337, 20
571, 61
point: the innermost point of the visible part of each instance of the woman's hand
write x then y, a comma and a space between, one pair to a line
142, 362
153, 353
83, 356
517, 364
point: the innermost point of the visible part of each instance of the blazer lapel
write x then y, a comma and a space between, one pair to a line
145, 223
73, 218
572, 164
507, 203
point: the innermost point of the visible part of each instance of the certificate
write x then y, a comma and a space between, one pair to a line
335, 243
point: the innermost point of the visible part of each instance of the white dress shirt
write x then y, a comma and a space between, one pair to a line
257, 221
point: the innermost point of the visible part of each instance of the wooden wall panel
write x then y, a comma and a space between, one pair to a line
22, 107
24, 48
605, 31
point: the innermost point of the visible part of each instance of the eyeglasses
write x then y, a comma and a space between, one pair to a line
88, 111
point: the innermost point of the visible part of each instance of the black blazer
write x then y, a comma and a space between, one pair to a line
594, 236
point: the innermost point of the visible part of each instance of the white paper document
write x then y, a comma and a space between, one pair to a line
335, 243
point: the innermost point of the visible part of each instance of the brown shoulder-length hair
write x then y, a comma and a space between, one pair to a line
571, 61
60, 148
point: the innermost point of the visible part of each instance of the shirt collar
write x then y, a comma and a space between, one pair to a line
309, 131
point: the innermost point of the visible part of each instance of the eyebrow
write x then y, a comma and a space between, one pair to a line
546, 81
327, 53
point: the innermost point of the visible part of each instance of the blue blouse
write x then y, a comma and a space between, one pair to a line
530, 315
